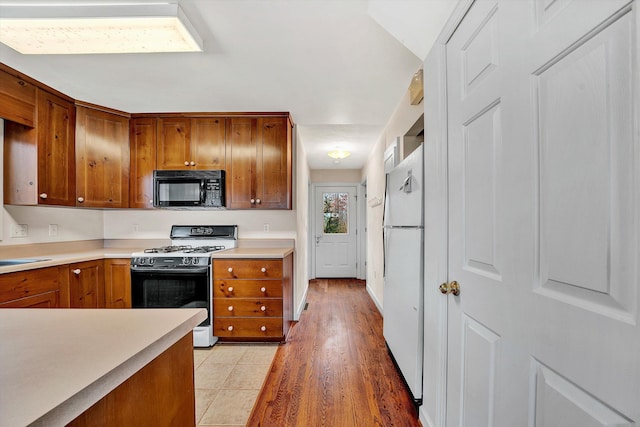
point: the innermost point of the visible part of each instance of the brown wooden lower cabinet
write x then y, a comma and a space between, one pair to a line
89, 284
42, 288
117, 282
252, 299
160, 394
86, 284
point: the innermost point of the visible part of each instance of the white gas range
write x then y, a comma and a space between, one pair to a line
180, 275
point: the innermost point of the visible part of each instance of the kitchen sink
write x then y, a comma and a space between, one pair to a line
18, 261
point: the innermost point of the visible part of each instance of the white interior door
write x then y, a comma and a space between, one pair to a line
543, 214
335, 231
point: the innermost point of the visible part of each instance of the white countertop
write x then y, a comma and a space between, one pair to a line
253, 253
56, 363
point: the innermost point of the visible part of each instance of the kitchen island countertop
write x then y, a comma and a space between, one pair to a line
56, 363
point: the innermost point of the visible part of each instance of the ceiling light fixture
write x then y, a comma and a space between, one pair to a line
97, 28
339, 154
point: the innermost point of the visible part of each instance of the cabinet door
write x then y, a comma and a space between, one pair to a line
117, 283
102, 159
86, 283
46, 300
274, 164
174, 135
241, 148
56, 150
208, 143
142, 142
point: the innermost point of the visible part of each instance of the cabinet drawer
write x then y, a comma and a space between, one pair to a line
247, 307
17, 100
247, 288
247, 327
46, 300
247, 269
14, 286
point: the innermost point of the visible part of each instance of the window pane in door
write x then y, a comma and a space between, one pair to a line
336, 213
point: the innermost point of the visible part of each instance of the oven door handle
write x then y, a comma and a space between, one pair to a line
169, 270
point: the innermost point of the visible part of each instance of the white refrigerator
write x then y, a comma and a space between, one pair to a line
403, 300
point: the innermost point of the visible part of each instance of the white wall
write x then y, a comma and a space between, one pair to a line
404, 116
301, 273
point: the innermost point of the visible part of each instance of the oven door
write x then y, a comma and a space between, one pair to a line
172, 288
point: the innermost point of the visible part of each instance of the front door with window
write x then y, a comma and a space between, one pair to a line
335, 231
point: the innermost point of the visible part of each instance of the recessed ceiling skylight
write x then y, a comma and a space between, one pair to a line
91, 28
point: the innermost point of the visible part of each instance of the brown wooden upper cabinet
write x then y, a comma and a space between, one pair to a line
142, 141
191, 143
102, 159
17, 99
39, 163
258, 163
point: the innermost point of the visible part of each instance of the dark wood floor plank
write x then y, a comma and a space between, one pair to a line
335, 370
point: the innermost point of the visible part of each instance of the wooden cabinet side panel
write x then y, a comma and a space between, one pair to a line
174, 135
102, 159
56, 150
143, 162
241, 162
274, 164
160, 394
86, 283
208, 143
20, 164
117, 283
287, 293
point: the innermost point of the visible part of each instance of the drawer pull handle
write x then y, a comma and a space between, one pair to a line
263, 289
230, 328
76, 271
263, 308
230, 308
230, 289
230, 269
263, 328
264, 270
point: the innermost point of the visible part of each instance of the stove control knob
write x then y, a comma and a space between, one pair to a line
152, 261
185, 260
196, 261
142, 260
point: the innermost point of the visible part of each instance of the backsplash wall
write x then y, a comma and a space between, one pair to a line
156, 223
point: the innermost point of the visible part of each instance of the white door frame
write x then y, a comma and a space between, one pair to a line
313, 218
362, 230
433, 411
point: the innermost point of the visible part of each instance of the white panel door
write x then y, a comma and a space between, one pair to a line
335, 231
544, 214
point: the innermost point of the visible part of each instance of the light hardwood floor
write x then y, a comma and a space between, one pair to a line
334, 370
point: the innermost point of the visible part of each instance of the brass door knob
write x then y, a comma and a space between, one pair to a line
450, 288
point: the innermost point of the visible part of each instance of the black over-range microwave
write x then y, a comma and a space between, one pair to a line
188, 188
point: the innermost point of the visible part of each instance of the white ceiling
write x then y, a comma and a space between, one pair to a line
328, 62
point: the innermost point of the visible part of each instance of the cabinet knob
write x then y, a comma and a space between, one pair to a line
263, 269
80, 199
253, 201
263, 328
76, 271
230, 289
263, 289
230, 308
230, 328
263, 308
192, 163
43, 195
258, 201
230, 269
186, 163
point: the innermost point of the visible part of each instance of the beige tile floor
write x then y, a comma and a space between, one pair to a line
228, 378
